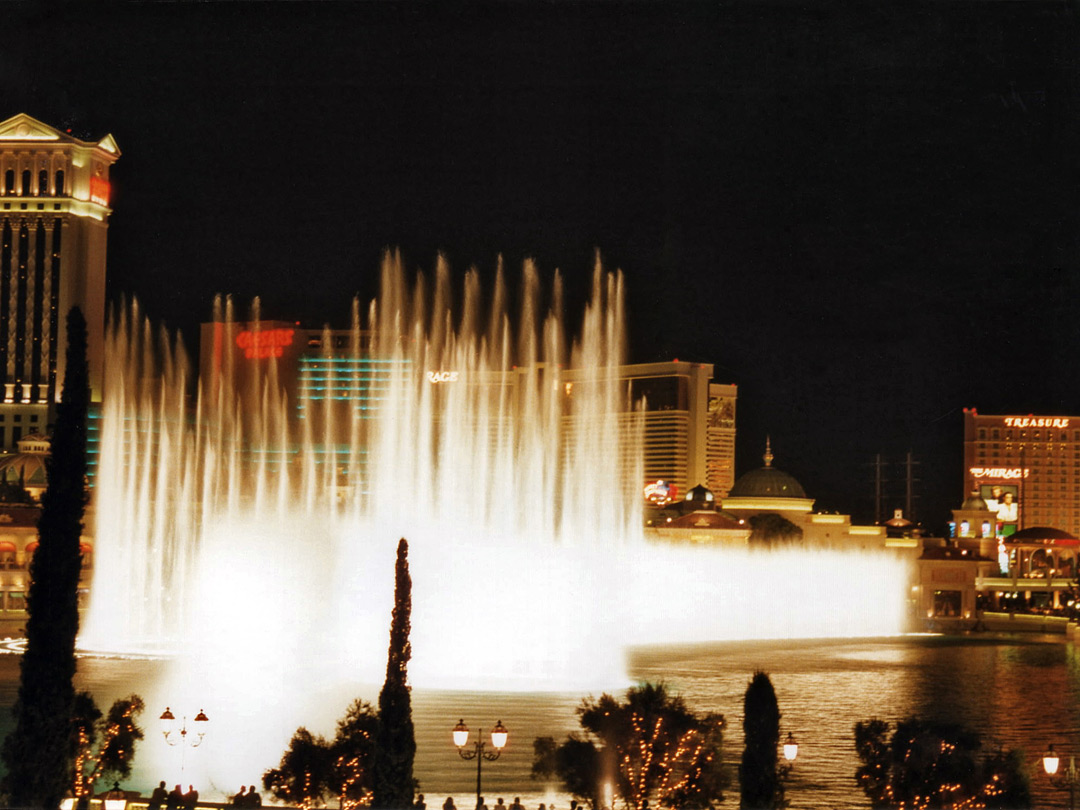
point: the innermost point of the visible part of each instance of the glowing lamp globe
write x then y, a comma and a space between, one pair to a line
167, 720
115, 798
1051, 761
791, 748
461, 734
499, 735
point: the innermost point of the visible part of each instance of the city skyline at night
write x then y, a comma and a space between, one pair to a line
862, 219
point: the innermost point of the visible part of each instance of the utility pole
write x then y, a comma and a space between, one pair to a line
909, 499
877, 488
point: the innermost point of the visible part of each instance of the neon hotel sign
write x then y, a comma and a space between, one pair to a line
999, 473
1036, 422
264, 343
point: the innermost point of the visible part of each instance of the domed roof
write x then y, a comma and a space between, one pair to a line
767, 482
973, 503
701, 497
30, 467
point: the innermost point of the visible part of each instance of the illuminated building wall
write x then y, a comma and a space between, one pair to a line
54, 212
689, 424
720, 439
320, 371
1027, 468
689, 421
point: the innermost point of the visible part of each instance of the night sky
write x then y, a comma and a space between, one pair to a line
866, 217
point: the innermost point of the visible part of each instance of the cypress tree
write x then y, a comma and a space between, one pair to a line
38, 752
759, 782
396, 744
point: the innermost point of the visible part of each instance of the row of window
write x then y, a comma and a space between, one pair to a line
1037, 435
26, 187
15, 601
1033, 449
1009, 461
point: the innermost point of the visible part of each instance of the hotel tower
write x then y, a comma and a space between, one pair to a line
54, 216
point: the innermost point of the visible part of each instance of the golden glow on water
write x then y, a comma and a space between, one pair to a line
1022, 691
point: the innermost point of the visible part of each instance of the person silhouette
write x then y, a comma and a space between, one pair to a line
449, 804
175, 799
191, 798
157, 798
420, 804
480, 803
240, 799
253, 798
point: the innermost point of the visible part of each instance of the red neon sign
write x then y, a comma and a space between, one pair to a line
262, 344
99, 190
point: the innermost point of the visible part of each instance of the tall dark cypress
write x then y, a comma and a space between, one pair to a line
759, 781
38, 752
396, 744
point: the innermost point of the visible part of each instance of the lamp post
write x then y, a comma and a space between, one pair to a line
174, 736
115, 799
1067, 780
791, 750
477, 750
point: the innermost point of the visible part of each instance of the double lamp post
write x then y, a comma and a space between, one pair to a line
1069, 779
478, 750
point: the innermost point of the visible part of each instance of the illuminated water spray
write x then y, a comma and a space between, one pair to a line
503, 450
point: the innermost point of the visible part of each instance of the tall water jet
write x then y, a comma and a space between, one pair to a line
254, 534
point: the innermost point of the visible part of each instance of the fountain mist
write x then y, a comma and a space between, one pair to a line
517, 486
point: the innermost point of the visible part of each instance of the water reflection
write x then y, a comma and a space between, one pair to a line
1017, 692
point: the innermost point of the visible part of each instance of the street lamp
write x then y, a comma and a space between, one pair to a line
169, 730
476, 751
115, 799
791, 750
1066, 781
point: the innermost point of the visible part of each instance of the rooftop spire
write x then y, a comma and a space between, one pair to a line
768, 452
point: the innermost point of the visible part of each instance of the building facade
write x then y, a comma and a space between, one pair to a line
689, 421
689, 424
1026, 469
54, 217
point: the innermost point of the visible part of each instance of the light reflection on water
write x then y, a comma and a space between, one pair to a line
1017, 691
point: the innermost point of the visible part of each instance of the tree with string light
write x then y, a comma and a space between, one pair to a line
104, 745
659, 751
313, 768
937, 765
351, 774
303, 776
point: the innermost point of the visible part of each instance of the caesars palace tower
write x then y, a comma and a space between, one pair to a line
54, 216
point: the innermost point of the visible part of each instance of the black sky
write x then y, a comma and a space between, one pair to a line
866, 217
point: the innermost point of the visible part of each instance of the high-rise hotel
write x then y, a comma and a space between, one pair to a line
54, 216
689, 420
1026, 468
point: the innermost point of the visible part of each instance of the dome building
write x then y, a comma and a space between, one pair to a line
26, 468
768, 489
771, 491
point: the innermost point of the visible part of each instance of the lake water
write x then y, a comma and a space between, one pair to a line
1018, 691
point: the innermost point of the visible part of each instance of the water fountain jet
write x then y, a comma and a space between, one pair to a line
271, 569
